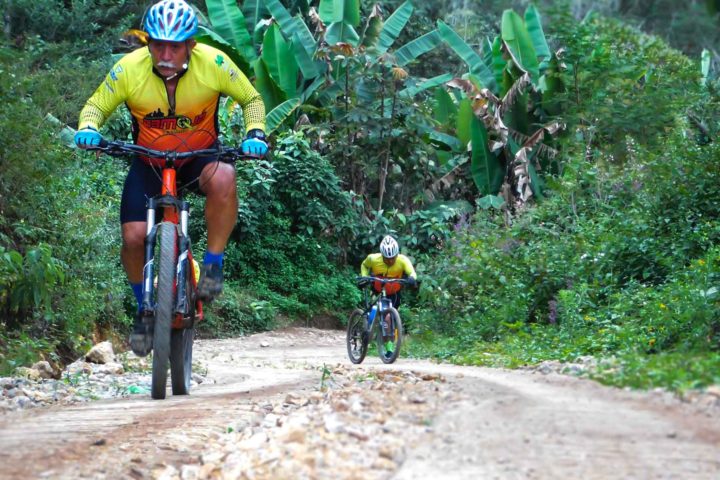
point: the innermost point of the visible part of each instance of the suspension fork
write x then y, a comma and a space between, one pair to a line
148, 277
182, 305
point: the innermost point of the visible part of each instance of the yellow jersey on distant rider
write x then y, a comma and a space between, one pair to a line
374, 264
192, 124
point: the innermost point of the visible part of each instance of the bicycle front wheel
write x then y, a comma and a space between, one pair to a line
356, 338
164, 307
389, 344
181, 344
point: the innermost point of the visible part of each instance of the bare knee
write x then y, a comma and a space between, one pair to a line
219, 180
133, 235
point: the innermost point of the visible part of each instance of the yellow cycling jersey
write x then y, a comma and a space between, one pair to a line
192, 124
374, 263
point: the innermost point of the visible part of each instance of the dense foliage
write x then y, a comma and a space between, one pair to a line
621, 258
616, 257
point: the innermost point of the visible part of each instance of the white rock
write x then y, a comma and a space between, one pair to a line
713, 390
29, 373
110, 368
190, 472
79, 367
101, 353
46, 371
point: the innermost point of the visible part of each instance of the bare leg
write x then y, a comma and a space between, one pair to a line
132, 253
218, 183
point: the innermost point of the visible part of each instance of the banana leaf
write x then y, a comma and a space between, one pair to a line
467, 54
307, 93
253, 10
444, 108
280, 113
280, 61
393, 26
310, 68
208, 37
517, 38
291, 25
453, 142
464, 121
498, 65
271, 93
373, 27
537, 36
424, 85
334, 11
413, 49
229, 22
341, 32
485, 167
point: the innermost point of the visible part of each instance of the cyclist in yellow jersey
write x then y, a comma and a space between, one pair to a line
389, 263
172, 89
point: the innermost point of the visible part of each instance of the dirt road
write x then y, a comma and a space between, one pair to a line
289, 404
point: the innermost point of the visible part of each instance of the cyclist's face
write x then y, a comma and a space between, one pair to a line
389, 261
169, 57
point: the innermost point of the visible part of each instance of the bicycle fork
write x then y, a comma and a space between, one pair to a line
182, 303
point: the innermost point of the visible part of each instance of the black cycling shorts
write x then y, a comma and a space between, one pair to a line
144, 181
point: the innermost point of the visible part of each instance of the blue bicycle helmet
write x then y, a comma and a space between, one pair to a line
171, 20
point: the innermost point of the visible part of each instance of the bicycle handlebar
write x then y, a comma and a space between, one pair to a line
119, 149
368, 280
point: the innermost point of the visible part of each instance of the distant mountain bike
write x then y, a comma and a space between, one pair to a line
377, 319
173, 303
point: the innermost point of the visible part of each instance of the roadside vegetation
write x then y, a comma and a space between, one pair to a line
553, 173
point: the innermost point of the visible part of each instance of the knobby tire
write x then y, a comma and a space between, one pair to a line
164, 307
181, 344
396, 334
357, 341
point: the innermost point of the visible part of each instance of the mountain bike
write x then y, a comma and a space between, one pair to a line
377, 318
172, 305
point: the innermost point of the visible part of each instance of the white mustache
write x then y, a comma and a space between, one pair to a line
166, 65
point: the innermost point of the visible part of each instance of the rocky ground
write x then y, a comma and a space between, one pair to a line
289, 404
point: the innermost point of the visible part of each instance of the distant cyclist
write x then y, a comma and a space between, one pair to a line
172, 88
389, 263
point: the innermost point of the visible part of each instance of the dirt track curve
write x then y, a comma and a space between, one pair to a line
289, 404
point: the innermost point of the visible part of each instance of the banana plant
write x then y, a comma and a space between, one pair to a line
493, 110
295, 65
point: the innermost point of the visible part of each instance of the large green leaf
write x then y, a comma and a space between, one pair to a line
280, 113
393, 26
485, 167
465, 117
413, 49
341, 32
310, 68
444, 108
516, 36
312, 88
537, 36
453, 142
467, 54
373, 27
229, 22
292, 25
271, 93
426, 84
333, 11
253, 10
208, 37
491, 201
280, 60
498, 64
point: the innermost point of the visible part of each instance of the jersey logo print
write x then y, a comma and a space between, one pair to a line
157, 119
